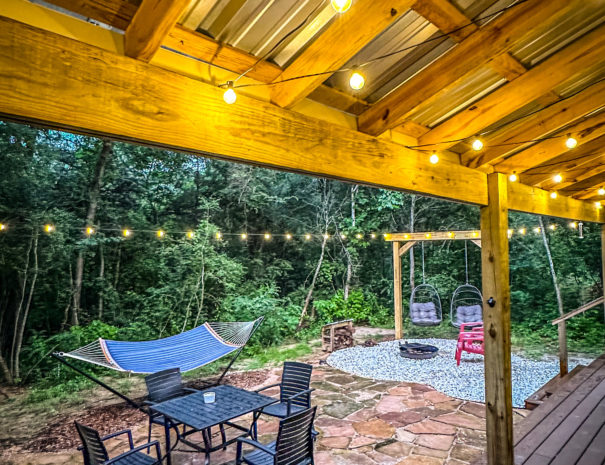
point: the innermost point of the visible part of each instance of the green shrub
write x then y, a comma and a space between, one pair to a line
360, 307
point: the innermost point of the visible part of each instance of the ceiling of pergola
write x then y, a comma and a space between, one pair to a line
538, 103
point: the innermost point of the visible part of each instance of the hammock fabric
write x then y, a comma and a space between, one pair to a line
187, 351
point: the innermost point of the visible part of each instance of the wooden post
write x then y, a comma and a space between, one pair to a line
562, 329
397, 291
496, 319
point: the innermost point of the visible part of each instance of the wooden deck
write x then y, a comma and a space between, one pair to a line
568, 427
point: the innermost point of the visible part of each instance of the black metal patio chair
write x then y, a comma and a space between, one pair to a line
165, 385
95, 453
294, 391
294, 444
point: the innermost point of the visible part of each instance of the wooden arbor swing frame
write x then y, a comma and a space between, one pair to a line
402, 243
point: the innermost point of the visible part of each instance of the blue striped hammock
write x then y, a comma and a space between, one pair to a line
187, 351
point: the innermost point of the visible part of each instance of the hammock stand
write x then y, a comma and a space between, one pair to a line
467, 302
425, 304
136, 357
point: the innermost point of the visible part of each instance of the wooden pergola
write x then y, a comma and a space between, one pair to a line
148, 71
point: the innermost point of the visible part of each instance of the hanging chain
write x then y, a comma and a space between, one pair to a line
422, 246
466, 259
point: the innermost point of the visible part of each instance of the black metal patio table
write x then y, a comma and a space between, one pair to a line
191, 410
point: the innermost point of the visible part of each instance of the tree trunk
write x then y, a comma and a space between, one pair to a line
19, 309
101, 280
412, 226
93, 194
555, 281
347, 287
312, 286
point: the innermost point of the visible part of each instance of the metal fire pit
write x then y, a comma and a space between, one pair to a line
417, 351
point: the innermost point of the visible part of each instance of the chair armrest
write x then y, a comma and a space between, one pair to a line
298, 394
267, 387
472, 326
256, 444
190, 390
113, 435
156, 444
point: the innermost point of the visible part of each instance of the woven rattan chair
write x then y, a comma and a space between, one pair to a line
294, 444
95, 453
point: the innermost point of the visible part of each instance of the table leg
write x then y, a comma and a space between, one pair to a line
167, 434
253, 429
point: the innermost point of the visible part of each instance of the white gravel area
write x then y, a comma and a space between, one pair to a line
383, 362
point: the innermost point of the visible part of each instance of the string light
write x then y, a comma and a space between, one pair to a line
477, 145
573, 225
601, 191
475, 234
434, 158
552, 227
450, 234
570, 142
267, 236
126, 232
326, 236
553, 195
373, 236
288, 236
229, 96
557, 178
359, 236
513, 177
160, 233
406, 236
428, 235
510, 233
307, 237
218, 235
537, 230
89, 231
244, 236
343, 236
522, 231
48, 228
598, 205
356, 81
341, 6
190, 234
2, 227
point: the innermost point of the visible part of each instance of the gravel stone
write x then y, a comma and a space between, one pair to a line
384, 363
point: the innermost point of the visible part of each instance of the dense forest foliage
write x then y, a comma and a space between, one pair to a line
62, 288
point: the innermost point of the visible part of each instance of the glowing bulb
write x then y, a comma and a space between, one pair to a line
219, 236
229, 96
552, 227
126, 232
288, 236
477, 145
522, 231
244, 236
2, 227
343, 236
406, 236
340, 6
434, 158
49, 228
573, 225
601, 191
373, 236
160, 233
450, 234
510, 232
570, 143
598, 205
385, 235
307, 237
428, 235
475, 234
356, 81
358, 236
557, 178
537, 230
553, 195
513, 177
326, 236
267, 236
89, 231
190, 234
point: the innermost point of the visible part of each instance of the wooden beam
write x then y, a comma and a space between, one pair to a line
477, 242
541, 152
88, 90
538, 201
448, 19
507, 66
584, 53
150, 25
585, 185
586, 167
579, 310
116, 13
363, 22
535, 126
433, 236
496, 321
405, 247
496, 37
397, 297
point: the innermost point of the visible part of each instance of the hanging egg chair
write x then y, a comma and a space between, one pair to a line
425, 304
467, 301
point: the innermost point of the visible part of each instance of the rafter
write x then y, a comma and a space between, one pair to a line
535, 126
116, 13
362, 23
582, 174
584, 131
584, 53
493, 39
150, 25
584, 186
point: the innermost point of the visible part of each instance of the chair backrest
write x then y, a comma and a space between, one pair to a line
295, 439
93, 449
164, 385
425, 305
296, 377
469, 314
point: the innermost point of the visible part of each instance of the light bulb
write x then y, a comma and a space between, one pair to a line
522, 231
126, 232
513, 177
190, 234
2, 227
573, 224
428, 235
601, 191
359, 236
510, 232
340, 6
434, 158
229, 96
219, 236
244, 236
373, 236
570, 143
598, 205
356, 81
450, 235
160, 233
267, 236
553, 195
307, 237
406, 236
537, 230
475, 234
477, 145
326, 236
552, 227
49, 228
343, 236
89, 231
557, 178
288, 236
